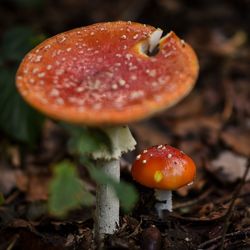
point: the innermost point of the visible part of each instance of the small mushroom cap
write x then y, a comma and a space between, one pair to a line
163, 167
100, 74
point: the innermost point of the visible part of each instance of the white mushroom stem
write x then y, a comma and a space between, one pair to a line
164, 198
107, 203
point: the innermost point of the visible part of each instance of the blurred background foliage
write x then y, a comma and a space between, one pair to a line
17, 119
30, 4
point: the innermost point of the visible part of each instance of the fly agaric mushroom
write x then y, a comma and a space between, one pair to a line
163, 168
102, 75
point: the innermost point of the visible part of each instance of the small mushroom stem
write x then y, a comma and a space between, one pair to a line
164, 198
107, 204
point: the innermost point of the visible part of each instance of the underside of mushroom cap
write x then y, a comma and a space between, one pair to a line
102, 75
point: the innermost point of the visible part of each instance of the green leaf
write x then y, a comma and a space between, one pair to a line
1, 199
126, 193
36, 39
67, 190
84, 140
17, 41
17, 119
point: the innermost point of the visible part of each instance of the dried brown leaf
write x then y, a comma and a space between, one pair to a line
238, 139
10, 179
148, 135
37, 187
228, 167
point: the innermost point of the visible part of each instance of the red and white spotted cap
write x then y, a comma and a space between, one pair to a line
100, 74
163, 167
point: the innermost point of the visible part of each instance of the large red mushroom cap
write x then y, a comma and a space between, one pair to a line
101, 75
163, 167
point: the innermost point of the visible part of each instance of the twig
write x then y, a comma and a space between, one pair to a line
135, 232
231, 206
244, 234
194, 201
13, 242
228, 198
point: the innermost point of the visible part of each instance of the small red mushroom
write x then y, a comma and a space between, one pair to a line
163, 168
105, 75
